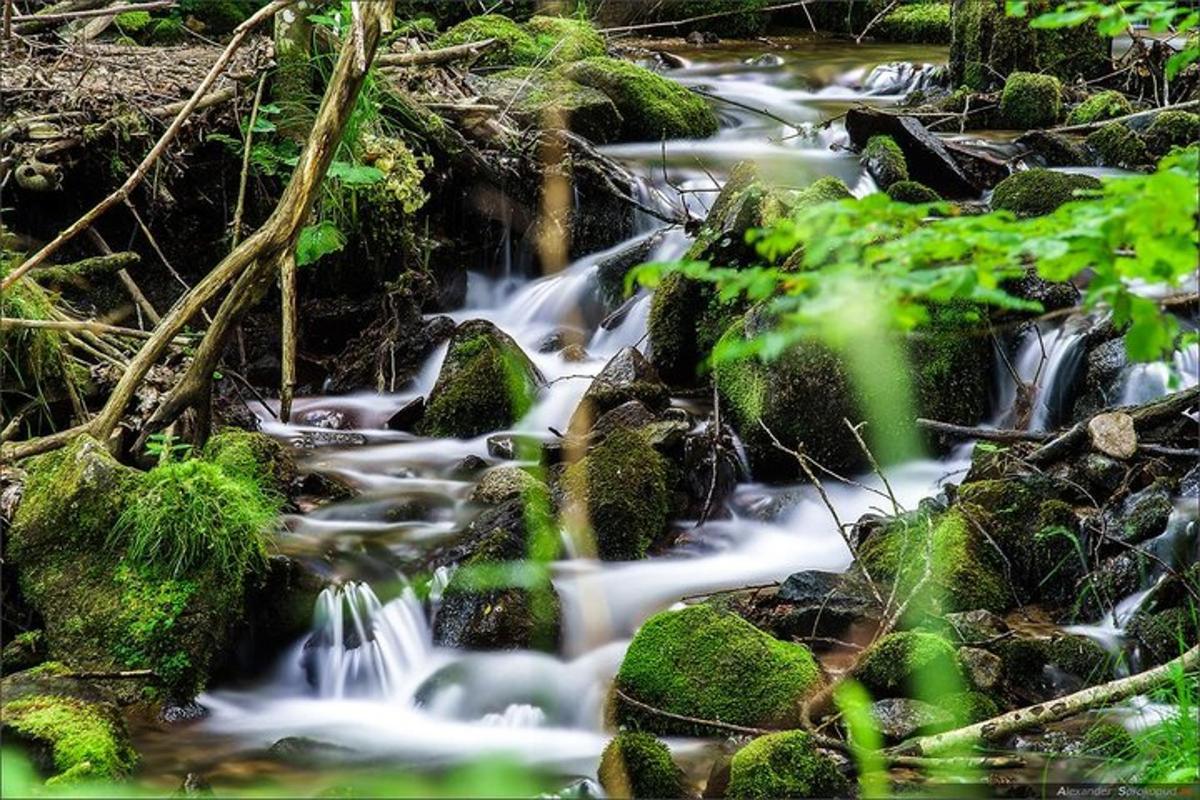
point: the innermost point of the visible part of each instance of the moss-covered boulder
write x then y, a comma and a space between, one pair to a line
909, 664
252, 455
619, 493
966, 572
913, 192
541, 99
652, 107
1108, 740
884, 159
500, 597
1163, 635
514, 46
784, 765
951, 364
1037, 665
1172, 129
565, 39
1034, 192
638, 765
72, 731
1031, 100
987, 45
217, 16
1100, 106
1117, 145
920, 23
137, 570
486, 383
710, 664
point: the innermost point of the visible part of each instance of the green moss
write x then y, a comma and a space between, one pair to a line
1119, 146
1108, 740
823, 190
674, 308
562, 40
885, 161
1034, 192
638, 765
912, 192
652, 106
104, 611
783, 765
1082, 657
1163, 635
710, 664
965, 573
899, 663
252, 455
951, 358
133, 22
514, 46
1031, 100
1172, 129
741, 19
922, 23
218, 16
486, 383
86, 743
538, 98
621, 487
987, 45
1100, 106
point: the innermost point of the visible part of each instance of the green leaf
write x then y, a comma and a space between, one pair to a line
317, 241
354, 174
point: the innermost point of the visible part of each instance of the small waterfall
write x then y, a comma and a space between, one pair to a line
363, 648
1047, 361
902, 78
1145, 382
517, 715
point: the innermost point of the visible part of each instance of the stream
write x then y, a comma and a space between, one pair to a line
398, 699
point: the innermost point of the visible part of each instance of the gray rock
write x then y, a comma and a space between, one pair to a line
504, 483
1140, 516
899, 718
627, 376
983, 668
973, 627
1113, 434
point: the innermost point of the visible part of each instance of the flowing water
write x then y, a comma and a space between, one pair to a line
369, 678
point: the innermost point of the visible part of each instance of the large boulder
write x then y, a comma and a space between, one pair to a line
810, 603
930, 160
710, 664
785, 764
486, 383
1031, 100
72, 731
1034, 192
987, 45
651, 106
543, 41
909, 664
100, 553
884, 159
627, 377
619, 493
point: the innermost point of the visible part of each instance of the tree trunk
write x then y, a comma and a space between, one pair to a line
292, 87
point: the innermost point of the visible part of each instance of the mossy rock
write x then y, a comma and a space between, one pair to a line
1100, 106
653, 107
1031, 100
677, 303
919, 23
486, 383
541, 99
710, 664
514, 46
987, 45
966, 572
1163, 635
1026, 659
823, 190
218, 16
1117, 145
563, 40
951, 364
913, 192
784, 764
73, 733
103, 608
969, 707
807, 376
638, 765
1034, 192
1172, 129
620, 488
252, 455
884, 159
25, 650
909, 664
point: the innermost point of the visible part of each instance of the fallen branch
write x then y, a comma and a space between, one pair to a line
991, 434
645, 26
705, 723
110, 11
127, 281
444, 55
1032, 716
1091, 126
87, 268
143, 169
9, 323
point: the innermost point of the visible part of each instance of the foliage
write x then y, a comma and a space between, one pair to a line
190, 514
875, 252
1116, 18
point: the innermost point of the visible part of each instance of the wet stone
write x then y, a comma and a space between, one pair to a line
1113, 435
983, 668
901, 717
